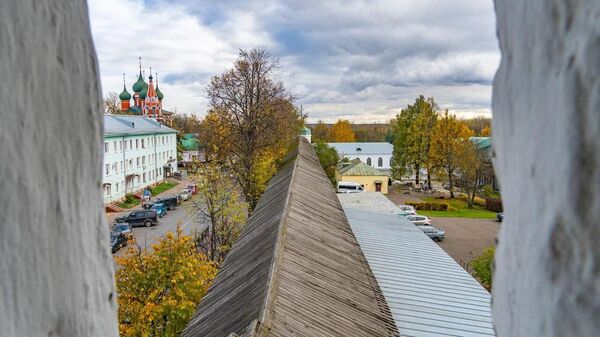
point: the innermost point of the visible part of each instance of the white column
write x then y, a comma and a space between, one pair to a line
55, 262
547, 143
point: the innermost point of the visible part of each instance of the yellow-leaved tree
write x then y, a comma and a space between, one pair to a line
342, 132
448, 147
159, 288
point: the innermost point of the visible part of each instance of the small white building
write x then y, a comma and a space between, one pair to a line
138, 152
375, 154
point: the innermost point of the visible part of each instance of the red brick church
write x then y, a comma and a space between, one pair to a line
147, 99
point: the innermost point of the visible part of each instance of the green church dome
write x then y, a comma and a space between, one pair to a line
159, 93
144, 91
124, 95
139, 85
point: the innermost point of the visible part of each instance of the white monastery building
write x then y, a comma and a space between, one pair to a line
375, 154
138, 152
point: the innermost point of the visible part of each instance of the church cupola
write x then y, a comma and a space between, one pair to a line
159, 93
125, 97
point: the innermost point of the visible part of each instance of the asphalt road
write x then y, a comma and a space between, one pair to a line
185, 216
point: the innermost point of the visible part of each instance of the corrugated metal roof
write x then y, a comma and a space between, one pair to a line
360, 169
482, 142
428, 293
362, 148
119, 125
297, 269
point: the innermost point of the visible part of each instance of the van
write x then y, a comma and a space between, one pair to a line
349, 187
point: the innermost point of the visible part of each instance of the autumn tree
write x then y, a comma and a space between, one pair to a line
486, 132
341, 132
449, 139
328, 157
158, 289
187, 123
218, 201
320, 132
413, 130
255, 117
112, 103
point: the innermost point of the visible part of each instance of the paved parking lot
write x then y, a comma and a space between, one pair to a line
184, 215
466, 238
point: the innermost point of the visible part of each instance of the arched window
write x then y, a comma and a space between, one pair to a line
390, 162
380, 162
369, 161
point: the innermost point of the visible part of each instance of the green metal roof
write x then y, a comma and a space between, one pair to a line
360, 169
305, 131
190, 144
482, 142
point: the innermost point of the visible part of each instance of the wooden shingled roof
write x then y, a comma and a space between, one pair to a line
297, 269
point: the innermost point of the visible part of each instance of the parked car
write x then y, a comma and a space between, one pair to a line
349, 187
408, 209
138, 218
436, 234
117, 241
419, 220
172, 202
185, 194
123, 228
499, 217
160, 209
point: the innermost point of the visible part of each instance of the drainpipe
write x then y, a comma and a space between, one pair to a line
123, 146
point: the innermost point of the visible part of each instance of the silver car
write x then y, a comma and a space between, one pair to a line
408, 209
436, 234
419, 220
185, 194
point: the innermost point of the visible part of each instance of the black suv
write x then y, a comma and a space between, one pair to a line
138, 218
172, 202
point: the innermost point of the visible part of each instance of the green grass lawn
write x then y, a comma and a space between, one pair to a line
458, 209
167, 185
130, 201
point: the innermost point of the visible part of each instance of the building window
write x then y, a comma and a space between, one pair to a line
137, 143
120, 145
108, 190
117, 188
143, 147
107, 169
115, 146
130, 144
390, 162
144, 177
380, 162
106, 147
137, 160
369, 161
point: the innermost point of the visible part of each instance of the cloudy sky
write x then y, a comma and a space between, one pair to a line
359, 60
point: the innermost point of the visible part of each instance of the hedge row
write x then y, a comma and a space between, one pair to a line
429, 206
493, 204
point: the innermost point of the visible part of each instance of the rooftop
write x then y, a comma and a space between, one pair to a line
428, 293
297, 269
120, 125
363, 148
358, 168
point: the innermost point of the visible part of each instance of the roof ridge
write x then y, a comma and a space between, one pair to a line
279, 246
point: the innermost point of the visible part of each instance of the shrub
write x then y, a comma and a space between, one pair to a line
429, 206
493, 204
482, 267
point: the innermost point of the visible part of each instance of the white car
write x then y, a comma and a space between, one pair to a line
408, 209
419, 220
184, 194
349, 187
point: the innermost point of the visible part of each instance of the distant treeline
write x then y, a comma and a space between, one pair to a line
376, 132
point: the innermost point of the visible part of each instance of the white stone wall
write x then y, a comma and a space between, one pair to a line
56, 271
374, 159
127, 158
546, 126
